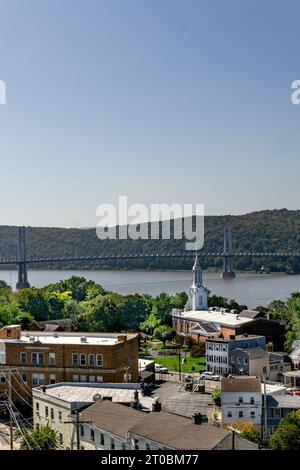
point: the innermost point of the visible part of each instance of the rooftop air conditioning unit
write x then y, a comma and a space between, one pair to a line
83, 339
55, 335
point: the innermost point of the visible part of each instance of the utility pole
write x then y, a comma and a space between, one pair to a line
10, 414
179, 364
8, 374
77, 423
265, 434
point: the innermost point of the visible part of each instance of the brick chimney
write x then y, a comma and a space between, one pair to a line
121, 338
156, 406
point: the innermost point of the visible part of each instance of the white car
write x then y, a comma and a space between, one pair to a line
161, 369
209, 376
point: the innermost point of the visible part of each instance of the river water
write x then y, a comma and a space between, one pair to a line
249, 289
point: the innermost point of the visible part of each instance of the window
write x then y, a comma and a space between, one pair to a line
46, 411
252, 414
229, 414
241, 414
75, 378
2, 378
52, 414
52, 359
136, 444
82, 360
91, 360
252, 400
233, 360
92, 435
264, 370
8, 333
61, 438
82, 378
148, 446
99, 378
92, 378
37, 407
24, 378
52, 378
238, 360
240, 399
60, 415
37, 359
81, 430
112, 444
23, 358
102, 439
246, 361
74, 359
99, 360
38, 379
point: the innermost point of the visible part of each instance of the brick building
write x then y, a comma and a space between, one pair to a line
45, 358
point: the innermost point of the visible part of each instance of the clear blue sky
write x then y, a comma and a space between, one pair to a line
164, 101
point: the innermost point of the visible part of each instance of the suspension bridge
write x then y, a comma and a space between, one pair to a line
228, 255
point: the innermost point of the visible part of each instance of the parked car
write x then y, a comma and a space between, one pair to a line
161, 369
209, 376
297, 392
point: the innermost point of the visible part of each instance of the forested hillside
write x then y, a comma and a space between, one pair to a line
274, 230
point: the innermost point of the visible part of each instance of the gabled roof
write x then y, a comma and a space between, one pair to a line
239, 383
178, 432
112, 417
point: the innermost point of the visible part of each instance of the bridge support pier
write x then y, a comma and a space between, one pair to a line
22, 265
228, 258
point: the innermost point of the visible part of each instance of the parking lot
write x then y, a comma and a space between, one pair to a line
182, 402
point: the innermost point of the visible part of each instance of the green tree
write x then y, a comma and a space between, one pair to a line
164, 333
287, 436
12, 314
34, 301
150, 323
44, 438
78, 286
216, 396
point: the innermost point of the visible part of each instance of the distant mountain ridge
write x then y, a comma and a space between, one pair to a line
267, 230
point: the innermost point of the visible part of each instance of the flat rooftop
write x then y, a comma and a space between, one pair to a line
222, 318
103, 339
84, 393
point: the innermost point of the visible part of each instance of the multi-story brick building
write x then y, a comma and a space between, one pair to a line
45, 358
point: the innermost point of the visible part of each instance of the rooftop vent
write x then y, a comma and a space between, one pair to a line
55, 335
97, 397
83, 339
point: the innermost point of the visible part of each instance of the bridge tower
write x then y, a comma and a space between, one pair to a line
22, 265
228, 258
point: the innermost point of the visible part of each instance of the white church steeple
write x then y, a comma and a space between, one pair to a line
198, 294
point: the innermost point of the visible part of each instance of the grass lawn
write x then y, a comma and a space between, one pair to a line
198, 363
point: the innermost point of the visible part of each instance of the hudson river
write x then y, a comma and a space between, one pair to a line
249, 289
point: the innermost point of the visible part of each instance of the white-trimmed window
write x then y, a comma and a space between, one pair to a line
92, 378
75, 378
82, 360
38, 379
82, 378
74, 359
52, 378
37, 359
23, 358
99, 360
52, 359
91, 360
24, 378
